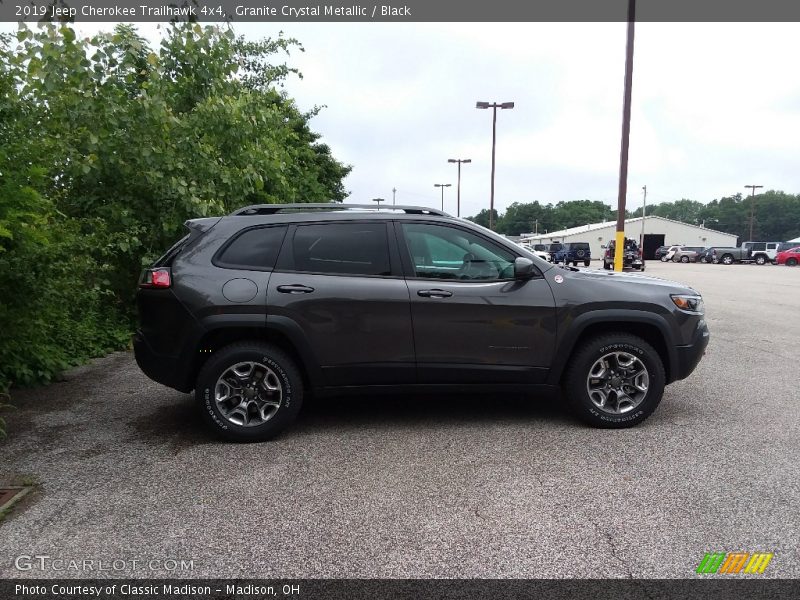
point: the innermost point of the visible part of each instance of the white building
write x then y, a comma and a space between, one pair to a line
658, 231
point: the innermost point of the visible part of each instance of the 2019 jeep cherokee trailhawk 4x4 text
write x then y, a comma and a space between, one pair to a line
255, 309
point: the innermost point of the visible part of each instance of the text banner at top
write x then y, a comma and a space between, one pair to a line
283, 11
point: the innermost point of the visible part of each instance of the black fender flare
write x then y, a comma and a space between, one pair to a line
264, 323
567, 342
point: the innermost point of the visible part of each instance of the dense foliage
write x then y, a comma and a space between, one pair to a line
106, 147
776, 215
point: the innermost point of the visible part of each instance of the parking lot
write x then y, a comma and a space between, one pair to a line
429, 486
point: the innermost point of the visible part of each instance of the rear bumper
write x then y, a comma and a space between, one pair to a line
167, 370
689, 356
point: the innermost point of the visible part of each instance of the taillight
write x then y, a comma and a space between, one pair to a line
156, 278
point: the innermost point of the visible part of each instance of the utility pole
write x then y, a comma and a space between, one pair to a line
378, 200
752, 207
394, 196
644, 210
619, 251
459, 161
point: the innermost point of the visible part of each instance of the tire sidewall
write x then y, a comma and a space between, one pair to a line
580, 397
291, 396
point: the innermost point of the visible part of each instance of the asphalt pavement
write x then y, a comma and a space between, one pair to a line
485, 486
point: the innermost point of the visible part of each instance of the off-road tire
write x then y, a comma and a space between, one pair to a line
278, 362
576, 375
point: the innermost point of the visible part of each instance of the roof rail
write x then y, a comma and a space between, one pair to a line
271, 209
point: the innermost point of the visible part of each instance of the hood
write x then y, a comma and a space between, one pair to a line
633, 279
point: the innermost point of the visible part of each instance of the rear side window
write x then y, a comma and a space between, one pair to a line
253, 249
342, 248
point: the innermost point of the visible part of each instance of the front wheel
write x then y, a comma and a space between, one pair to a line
249, 391
791, 262
684, 259
615, 380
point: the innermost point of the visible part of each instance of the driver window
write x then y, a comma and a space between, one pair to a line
441, 252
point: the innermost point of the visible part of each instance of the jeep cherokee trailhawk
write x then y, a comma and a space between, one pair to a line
258, 308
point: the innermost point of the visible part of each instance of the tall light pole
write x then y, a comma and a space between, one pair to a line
619, 251
378, 200
494, 106
458, 193
442, 185
752, 207
394, 196
644, 211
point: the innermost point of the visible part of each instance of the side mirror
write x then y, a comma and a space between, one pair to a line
523, 268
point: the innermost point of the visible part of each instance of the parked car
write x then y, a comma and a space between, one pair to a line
632, 259
256, 309
660, 252
573, 252
686, 254
537, 249
553, 249
789, 257
706, 256
758, 252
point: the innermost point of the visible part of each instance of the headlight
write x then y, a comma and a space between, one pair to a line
688, 303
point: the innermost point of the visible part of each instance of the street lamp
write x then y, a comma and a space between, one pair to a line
442, 185
459, 161
378, 200
752, 207
494, 106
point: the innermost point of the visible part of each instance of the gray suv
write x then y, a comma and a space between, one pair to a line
256, 309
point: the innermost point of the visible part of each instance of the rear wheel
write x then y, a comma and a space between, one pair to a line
727, 259
249, 391
761, 259
614, 380
586, 263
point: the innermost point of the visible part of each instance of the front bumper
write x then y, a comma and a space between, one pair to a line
689, 356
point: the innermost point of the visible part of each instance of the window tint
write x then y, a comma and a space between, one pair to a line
579, 246
441, 252
255, 249
343, 248
758, 246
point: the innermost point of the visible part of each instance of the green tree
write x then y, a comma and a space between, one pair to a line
107, 145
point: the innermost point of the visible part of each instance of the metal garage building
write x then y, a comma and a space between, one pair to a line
658, 231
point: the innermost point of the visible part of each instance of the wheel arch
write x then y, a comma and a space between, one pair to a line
281, 332
650, 327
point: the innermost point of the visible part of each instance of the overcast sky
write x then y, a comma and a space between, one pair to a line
715, 107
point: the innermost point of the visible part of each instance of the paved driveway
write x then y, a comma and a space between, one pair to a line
428, 486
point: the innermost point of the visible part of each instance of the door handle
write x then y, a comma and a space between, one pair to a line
434, 293
295, 288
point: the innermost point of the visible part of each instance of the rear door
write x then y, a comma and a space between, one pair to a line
341, 283
473, 322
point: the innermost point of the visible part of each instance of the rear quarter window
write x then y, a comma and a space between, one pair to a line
253, 249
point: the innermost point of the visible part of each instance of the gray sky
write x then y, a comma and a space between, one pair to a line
715, 107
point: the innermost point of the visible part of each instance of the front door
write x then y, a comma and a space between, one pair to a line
473, 322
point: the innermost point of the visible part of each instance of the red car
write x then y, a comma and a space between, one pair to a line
788, 257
